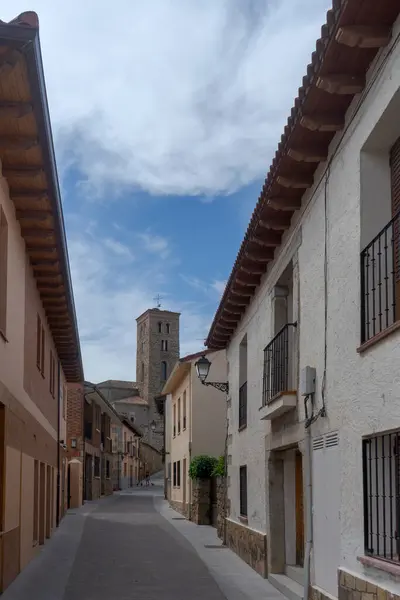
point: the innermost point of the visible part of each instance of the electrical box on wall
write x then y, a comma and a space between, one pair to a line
307, 381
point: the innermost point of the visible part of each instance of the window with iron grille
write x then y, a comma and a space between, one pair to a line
174, 479
108, 469
381, 471
243, 406
178, 473
96, 466
243, 490
277, 363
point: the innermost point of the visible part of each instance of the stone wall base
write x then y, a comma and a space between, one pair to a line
250, 545
356, 588
317, 594
181, 508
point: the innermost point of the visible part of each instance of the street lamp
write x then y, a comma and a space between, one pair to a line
203, 368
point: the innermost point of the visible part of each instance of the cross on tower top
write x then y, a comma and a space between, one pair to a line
158, 299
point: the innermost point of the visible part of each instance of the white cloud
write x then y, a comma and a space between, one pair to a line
107, 306
219, 286
212, 290
174, 96
118, 248
155, 244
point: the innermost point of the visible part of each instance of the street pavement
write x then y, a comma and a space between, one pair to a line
133, 546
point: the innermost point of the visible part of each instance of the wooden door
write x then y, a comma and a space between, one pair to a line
299, 510
395, 185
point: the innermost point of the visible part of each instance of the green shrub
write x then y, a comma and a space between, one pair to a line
202, 467
219, 469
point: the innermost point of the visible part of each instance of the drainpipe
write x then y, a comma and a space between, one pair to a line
309, 514
58, 449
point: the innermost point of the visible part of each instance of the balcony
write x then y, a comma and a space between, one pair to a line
279, 396
380, 283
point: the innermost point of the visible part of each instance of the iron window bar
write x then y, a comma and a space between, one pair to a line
243, 405
381, 491
380, 280
277, 354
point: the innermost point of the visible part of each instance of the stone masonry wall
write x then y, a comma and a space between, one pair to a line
355, 588
220, 506
149, 357
249, 545
201, 502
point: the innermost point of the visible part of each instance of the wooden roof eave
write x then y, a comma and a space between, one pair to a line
312, 126
25, 39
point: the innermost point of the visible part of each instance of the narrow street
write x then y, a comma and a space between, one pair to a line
133, 546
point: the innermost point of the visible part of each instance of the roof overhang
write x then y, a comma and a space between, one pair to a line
354, 32
180, 370
28, 164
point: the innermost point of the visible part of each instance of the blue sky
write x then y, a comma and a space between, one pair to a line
166, 115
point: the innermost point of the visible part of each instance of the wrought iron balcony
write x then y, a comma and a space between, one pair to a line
380, 281
278, 364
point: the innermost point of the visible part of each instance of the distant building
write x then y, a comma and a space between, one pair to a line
196, 422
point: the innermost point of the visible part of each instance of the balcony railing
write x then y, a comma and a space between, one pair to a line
380, 281
243, 406
278, 363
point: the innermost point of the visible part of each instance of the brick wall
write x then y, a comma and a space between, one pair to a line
75, 420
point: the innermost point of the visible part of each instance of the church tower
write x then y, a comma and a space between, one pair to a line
156, 355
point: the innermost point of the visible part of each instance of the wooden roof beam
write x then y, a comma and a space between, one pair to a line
37, 234
229, 321
241, 290
285, 204
279, 222
14, 110
223, 330
364, 36
308, 154
261, 256
342, 84
38, 263
252, 268
236, 300
234, 309
9, 60
248, 280
21, 171
17, 142
322, 122
299, 182
271, 240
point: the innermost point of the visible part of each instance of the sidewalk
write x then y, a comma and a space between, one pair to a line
234, 577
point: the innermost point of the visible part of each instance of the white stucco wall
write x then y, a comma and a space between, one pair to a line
362, 390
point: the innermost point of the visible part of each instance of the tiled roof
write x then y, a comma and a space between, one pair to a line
334, 76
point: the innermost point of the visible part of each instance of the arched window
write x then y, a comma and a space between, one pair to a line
163, 371
167, 327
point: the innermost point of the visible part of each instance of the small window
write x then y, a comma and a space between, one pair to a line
142, 372
52, 375
160, 328
167, 328
184, 409
108, 469
178, 474
3, 271
179, 416
243, 406
381, 470
163, 371
164, 345
96, 466
40, 345
174, 479
243, 491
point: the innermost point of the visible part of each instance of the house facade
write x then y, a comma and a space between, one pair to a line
39, 342
310, 323
197, 423
98, 456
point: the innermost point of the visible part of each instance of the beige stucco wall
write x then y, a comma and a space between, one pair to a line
209, 408
180, 443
